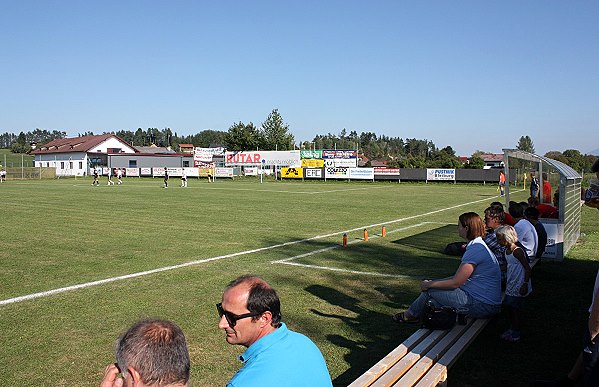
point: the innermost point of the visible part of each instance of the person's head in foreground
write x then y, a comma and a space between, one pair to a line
150, 353
250, 309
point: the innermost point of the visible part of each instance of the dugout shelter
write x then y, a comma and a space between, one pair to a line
563, 232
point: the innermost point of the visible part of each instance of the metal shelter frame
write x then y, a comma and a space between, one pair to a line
565, 229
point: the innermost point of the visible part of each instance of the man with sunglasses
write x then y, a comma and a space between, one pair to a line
250, 315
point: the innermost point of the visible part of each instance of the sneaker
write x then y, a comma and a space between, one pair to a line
511, 338
505, 334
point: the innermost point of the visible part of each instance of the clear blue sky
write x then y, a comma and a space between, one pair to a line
470, 74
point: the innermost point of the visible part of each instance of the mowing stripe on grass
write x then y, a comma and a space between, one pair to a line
197, 262
287, 261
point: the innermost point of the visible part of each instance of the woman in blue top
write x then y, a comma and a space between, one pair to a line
475, 288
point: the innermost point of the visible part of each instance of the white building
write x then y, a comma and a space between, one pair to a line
74, 156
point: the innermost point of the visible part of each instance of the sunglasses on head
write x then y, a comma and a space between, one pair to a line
232, 317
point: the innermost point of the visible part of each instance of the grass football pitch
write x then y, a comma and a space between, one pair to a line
79, 264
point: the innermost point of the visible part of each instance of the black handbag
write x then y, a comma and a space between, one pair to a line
441, 318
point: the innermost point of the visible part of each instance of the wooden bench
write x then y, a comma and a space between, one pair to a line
423, 358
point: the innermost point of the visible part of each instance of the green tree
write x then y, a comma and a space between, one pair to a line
276, 133
476, 162
243, 137
525, 144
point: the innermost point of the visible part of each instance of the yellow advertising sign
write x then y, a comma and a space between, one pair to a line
204, 172
292, 173
312, 163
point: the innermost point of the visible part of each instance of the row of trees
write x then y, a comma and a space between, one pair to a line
273, 134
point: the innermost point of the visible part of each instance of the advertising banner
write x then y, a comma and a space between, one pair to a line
336, 173
157, 171
440, 174
205, 154
361, 173
223, 172
313, 173
339, 154
270, 158
555, 238
312, 163
192, 172
386, 171
311, 154
250, 171
292, 173
350, 163
145, 171
131, 172
205, 172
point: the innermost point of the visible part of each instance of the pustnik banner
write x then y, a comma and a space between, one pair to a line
440, 174
266, 158
339, 154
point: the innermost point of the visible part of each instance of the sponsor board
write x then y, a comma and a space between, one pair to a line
250, 171
339, 154
311, 154
336, 173
223, 172
555, 238
145, 171
292, 173
272, 158
361, 173
350, 163
205, 154
312, 163
313, 173
131, 172
205, 172
440, 174
192, 172
386, 171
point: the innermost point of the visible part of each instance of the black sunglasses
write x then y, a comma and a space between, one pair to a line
232, 317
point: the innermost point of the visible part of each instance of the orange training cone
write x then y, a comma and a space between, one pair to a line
344, 240
384, 231
365, 235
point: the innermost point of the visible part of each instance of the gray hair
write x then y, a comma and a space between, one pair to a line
157, 350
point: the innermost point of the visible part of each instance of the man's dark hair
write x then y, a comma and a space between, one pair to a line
595, 167
497, 204
533, 201
157, 350
261, 297
516, 210
496, 212
531, 213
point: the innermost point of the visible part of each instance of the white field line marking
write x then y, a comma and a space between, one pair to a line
287, 261
197, 262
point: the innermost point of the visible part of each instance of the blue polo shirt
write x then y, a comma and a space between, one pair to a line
282, 358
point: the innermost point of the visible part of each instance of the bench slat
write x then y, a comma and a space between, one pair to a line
403, 365
388, 361
434, 354
438, 373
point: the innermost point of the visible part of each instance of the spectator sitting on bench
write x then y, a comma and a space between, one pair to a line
532, 215
475, 288
507, 217
494, 218
518, 280
527, 235
545, 210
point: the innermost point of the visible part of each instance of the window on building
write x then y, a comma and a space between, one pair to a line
70, 164
132, 163
62, 165
186, 163
81, 165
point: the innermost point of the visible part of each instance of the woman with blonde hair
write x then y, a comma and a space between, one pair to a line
474, 289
